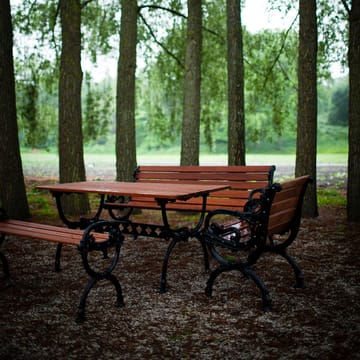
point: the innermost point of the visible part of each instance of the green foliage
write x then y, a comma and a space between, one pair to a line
36, 101
100, 26
339, 113
270, 76
97, 111
270, 85
27, 109
331, 197
39, 205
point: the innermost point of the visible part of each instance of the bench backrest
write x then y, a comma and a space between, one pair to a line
241, 179
285, 213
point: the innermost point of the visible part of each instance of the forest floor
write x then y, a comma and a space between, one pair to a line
321, 321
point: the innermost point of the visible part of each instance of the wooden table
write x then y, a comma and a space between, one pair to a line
163, 193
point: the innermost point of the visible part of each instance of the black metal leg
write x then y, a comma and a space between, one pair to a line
206, 255
119, 296
8, 281
58, 257
87, 245
81, 309
248, 273
297, 271
165, 265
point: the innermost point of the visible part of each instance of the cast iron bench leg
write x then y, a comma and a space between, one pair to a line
80, 317
8, 281
248, 273
57, 257
298, 273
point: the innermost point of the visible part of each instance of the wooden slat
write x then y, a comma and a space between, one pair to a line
45, 232
240, 179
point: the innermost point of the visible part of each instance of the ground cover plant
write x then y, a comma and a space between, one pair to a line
321, 321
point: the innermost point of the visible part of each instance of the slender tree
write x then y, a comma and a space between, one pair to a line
307, 102
353, 187
12, 187
71, 156
235, 65
192, 81
125, 97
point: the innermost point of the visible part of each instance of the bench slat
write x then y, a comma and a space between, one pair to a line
45, 232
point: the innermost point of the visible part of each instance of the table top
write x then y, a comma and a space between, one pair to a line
170, 191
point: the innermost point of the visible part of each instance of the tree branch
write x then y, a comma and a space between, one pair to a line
346, 6
161, 44
82, 5
53, 38
174, 12
280, 51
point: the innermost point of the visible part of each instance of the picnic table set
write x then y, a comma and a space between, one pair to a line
259, 209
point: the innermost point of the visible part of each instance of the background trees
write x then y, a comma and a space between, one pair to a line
270, 79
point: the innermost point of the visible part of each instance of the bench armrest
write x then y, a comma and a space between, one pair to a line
241, 229
228, 228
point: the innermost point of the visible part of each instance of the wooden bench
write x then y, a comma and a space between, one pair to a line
241, 180
268, 224
100, 236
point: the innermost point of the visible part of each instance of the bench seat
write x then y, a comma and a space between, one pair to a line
50, 233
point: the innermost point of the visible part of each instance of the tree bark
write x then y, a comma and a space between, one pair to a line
71, 156
192, 82
12, 187
125, 98
235, 64
353, 187
307, 103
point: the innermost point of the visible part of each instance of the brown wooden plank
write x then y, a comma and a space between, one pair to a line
205, 168
45, 232
175, 176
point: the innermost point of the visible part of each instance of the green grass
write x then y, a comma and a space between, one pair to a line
46, 163
331, 197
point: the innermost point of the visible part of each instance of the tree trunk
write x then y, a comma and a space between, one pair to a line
235, 64
125, 98
307, 103
353, 187
71, 155
12, 187
192, 81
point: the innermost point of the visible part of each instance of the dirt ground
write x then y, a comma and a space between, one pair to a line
321, 321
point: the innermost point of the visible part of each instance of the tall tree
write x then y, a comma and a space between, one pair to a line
353, 188
12, 186
125, 96
235, 65
307, 102
192, 82
71, 155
